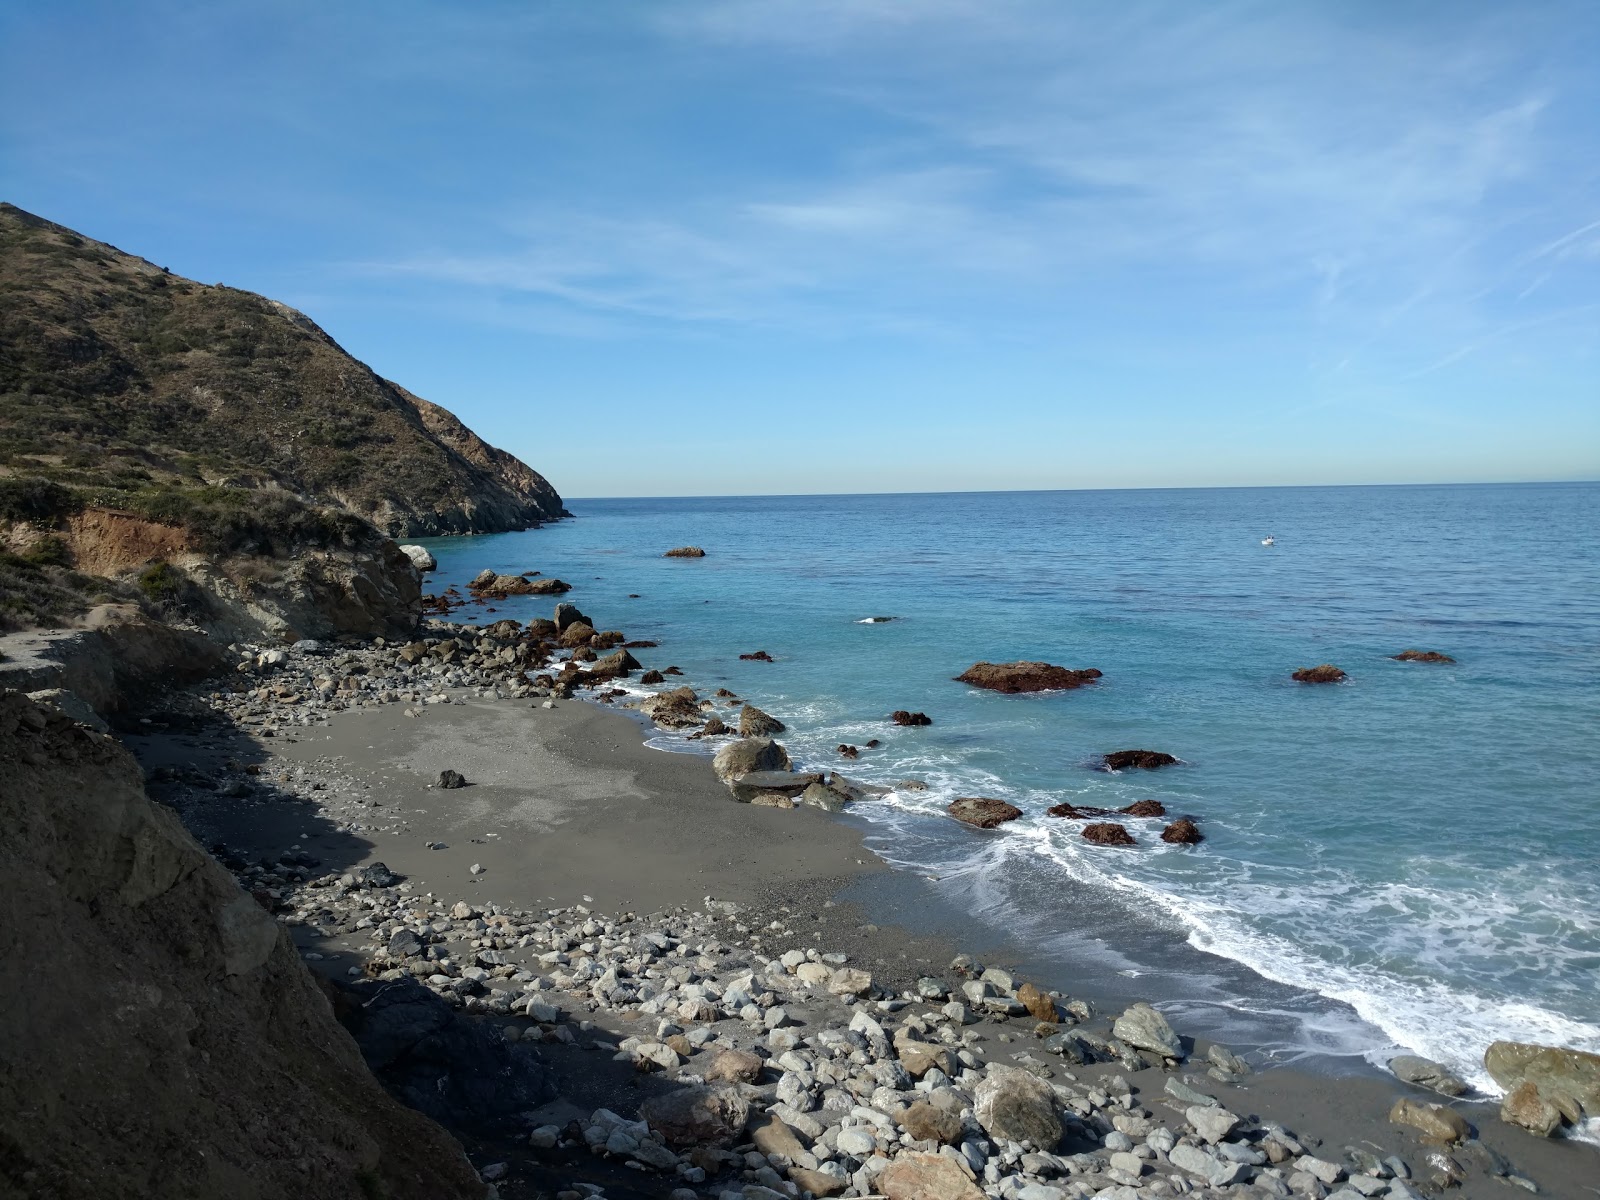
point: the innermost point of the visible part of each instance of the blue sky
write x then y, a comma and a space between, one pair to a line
823, 246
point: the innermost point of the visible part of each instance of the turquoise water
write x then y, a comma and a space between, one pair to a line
1410, 859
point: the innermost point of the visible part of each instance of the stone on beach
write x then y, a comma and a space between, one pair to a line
982, 812
1428, 1074
1326, 673
452, 779
1143, 1028
1025, 676
820, 795
927, 1123
1040, 1006
1525, 1107
697, 1115
1569, 1079
1013, 1105
1144, 760
733, 1066
755, 723
918, 1176
1434, 1122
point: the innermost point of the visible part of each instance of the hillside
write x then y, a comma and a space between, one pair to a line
128, 381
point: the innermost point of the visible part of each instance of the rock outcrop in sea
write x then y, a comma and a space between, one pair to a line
1015, 677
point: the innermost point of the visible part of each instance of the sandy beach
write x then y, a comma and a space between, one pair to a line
566, 806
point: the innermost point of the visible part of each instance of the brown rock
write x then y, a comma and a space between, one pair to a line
1434, 1122
848, 751
918, 1058
926, 1177
1569, 1079
715, 726
771, 800
1107, 833
733, 1066
1144, 760
577, 634
685, 552
816, 1182
1025, 677
680, 1044
1326, 673
1183, 832
982, 812
697, 1116
1076, 812
1428, 656
1525, 1107
901, 717
755, 723
652, 676
758, 656
929, 1124
1042, 1007
1144, 808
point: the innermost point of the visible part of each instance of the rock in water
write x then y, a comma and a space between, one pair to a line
452, 779
1145, 760
926, 1177
685, 552
757, 656
1525, 1107
1183, 832
568, 615
982, 812
755, 723
695, 1116
1024, 676
1144, 808
1435, 1122
1427, 656
1013, 1105
1326, 673
1566, 1078
420, 557
1426, 1073
1143, 1028
901, 717
747, 756
1107, 833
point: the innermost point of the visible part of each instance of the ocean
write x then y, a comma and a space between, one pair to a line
1406, 860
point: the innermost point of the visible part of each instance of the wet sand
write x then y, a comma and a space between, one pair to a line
567, 806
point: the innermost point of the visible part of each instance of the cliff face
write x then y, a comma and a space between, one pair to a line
118, 376
159, 1035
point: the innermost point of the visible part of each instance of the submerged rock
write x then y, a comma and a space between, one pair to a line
1425, 656
982, 812
1326, 673
1144, 760
1107, 833
757, 656
1144, 808
1025, 676
1183, 832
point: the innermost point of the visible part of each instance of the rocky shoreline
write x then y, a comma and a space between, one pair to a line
790, 1066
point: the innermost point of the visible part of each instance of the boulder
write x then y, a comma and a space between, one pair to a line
652, 676
901, 717
715, 726
1040, 1006
848, 751
1566, 1078
1144, 808
685, 552
579, 633
486, 585
1013, 1105
849, 981
748, 755
926, 1177
676, 709
697, 1116
928, 1123
1525, 1107
452, 779
1024, 676
982, 812
757, 656
1107, 833
771, 800
820, 795
1434, 1122
1144, 760
614, 666
918, 1058
789, 783
1143, 1028
566, 615
1427, 656
420, 557
1326, 673
1183, 832
755, 723
733, 1066
1423, 1072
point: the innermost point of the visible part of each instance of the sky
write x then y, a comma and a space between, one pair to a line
781, 246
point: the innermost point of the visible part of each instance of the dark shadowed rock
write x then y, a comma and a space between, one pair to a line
901, 717
652, 677
1107, 833
1326, 673
1025, 677
1183, 832
1426, 656
697, 1116
1143, 760
566, 615
685, 552
758, 656
1144, 808
848, 751
452, 779
715, 726
1076, 812
982, 812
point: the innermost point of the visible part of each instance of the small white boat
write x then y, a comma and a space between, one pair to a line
1267, 541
